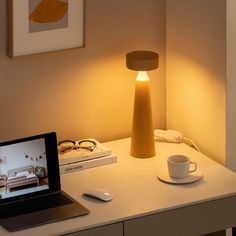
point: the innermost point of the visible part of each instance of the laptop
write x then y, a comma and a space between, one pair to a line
30, 189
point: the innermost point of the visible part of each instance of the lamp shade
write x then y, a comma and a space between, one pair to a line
142, 60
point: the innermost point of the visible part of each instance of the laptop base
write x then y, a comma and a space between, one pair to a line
37, 218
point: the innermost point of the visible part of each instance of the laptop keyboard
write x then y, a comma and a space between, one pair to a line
33, 205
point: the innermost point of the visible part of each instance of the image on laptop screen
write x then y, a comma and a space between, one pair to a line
23, 168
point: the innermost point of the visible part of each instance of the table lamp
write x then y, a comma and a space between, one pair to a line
142, 138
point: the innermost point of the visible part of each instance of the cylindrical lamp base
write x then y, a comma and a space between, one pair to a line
142, 138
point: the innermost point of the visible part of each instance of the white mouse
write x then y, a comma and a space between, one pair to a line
98, 194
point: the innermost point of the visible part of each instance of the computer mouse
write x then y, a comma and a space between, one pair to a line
99, 194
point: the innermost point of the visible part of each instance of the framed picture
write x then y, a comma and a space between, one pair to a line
2, 160
37, 26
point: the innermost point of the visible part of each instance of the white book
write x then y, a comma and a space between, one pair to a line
74, 156
81, 165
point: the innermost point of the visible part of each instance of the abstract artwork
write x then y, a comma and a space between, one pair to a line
47, 15
37, 26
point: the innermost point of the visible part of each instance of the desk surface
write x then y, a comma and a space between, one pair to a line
135, 188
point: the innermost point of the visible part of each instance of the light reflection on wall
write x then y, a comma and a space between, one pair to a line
196, 105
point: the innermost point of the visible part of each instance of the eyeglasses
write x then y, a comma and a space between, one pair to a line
69, 145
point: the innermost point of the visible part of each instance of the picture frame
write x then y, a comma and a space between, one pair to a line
32, 29
2, 160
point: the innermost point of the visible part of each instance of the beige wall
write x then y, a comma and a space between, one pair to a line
231, 84
196, 80
85, 92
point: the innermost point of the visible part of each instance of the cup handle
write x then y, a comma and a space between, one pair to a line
193, 164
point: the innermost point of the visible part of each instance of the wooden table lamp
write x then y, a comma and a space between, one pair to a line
142, 138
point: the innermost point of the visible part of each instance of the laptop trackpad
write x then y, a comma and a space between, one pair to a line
43, 217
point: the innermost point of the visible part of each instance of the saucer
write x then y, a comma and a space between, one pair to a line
191, 178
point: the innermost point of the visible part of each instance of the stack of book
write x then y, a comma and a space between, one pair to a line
76, 160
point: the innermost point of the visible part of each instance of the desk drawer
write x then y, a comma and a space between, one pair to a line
108, 230
193, 220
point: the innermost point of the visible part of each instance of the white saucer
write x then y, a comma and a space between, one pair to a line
192, 177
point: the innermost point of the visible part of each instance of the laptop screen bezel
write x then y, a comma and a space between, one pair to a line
54, 183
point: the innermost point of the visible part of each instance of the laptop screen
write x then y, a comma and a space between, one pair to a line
27, 166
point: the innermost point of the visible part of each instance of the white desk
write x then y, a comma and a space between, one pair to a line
143, 205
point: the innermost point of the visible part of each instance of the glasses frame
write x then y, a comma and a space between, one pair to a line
76, 145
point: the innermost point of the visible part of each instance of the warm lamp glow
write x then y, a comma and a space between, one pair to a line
142, 138
142, 76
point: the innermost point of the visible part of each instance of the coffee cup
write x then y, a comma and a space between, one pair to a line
179, 166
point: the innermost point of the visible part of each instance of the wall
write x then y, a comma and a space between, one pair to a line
196, 80
231, 84
84, 92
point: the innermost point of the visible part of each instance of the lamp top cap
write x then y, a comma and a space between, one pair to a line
142, 60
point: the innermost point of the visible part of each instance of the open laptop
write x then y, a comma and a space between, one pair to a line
30, 189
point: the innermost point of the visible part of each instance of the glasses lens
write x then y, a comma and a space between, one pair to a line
65, 146
87, 144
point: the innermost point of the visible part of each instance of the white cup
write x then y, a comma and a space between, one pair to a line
179, 166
